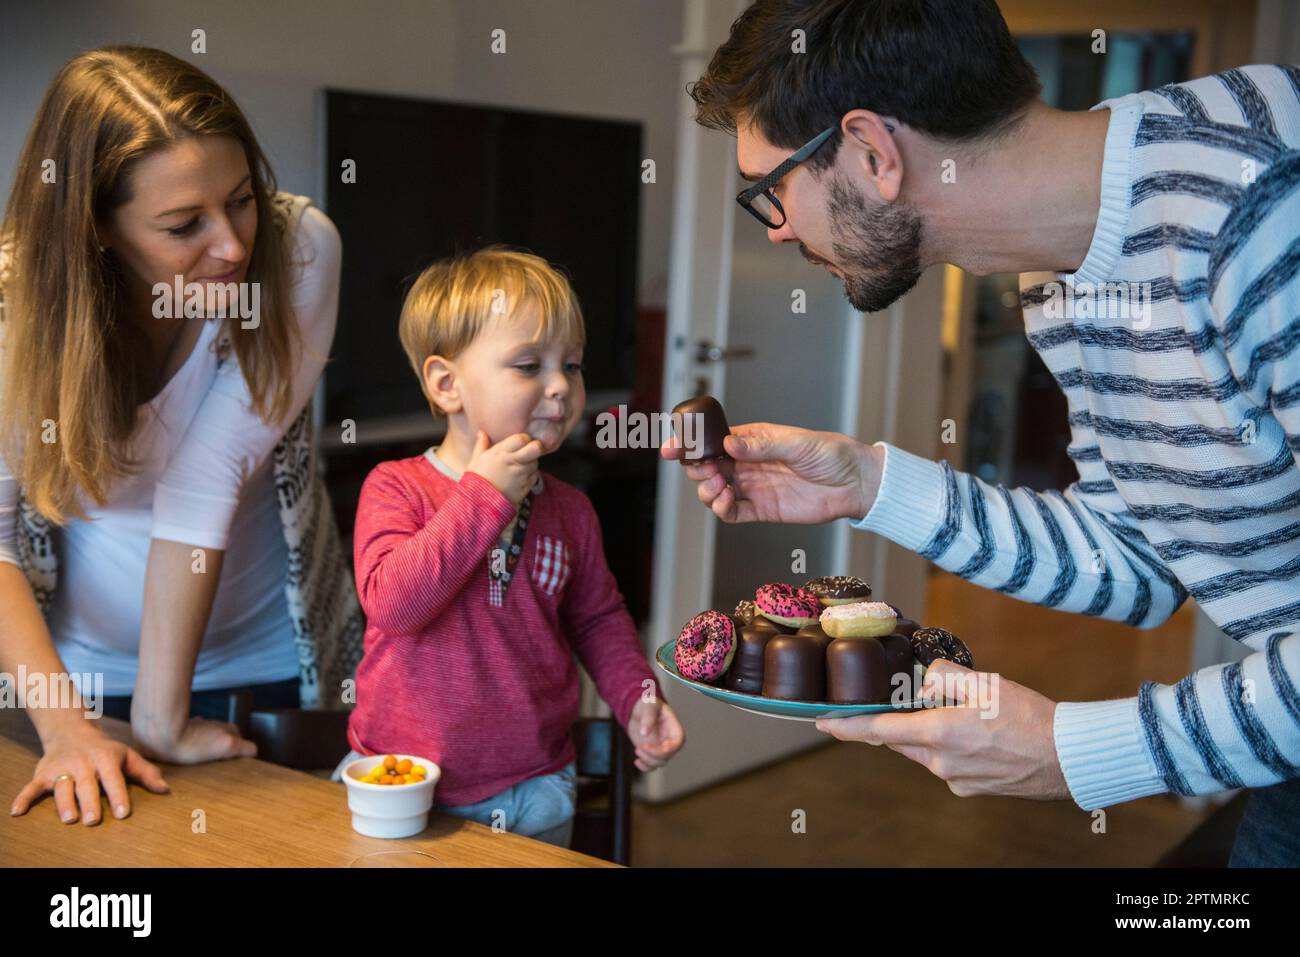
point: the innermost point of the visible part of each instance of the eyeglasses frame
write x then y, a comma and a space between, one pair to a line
747, 196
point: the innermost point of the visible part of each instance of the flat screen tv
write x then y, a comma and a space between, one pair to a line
437, 178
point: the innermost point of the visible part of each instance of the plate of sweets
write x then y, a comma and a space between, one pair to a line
823, 649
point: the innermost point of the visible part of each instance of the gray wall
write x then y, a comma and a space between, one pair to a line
607, 58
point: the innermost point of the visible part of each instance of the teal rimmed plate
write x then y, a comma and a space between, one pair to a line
772, 707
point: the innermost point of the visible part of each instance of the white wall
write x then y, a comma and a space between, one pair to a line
1277, 32
607, 58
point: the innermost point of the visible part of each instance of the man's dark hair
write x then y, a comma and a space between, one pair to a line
946, 67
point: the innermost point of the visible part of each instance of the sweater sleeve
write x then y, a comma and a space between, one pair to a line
1065, 550
598, 625
227, 441
1228, 725
407, 571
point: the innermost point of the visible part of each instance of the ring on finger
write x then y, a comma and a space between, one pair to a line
64, 776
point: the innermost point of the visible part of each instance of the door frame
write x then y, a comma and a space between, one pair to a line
885, 353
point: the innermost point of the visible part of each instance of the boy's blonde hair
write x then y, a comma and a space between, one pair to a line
453, 299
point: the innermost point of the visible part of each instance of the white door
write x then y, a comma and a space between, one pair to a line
825, 368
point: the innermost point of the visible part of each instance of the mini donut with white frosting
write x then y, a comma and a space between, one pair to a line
863, 619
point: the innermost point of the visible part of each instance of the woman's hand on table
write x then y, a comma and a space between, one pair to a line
779, 473
197, 741
90, 759
655, 732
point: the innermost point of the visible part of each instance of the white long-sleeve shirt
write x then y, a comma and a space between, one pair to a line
206, 480
1186, 434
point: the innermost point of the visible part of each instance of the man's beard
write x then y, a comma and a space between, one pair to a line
877, 248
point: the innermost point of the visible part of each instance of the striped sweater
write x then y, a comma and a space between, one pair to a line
1177, 344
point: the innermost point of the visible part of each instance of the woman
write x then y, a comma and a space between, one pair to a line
162, 523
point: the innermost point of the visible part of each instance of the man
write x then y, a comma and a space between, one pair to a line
1167, 223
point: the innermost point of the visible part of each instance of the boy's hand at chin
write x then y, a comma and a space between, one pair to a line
510, 465
655, 733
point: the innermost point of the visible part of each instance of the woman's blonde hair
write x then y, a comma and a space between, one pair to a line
70, 359
452, 300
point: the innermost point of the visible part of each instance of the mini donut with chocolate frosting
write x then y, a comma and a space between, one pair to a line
931, 643
745, 612
839, 589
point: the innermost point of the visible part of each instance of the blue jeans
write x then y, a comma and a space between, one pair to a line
540, 807
1269, 833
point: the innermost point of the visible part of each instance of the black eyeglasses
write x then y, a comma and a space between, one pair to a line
759, 199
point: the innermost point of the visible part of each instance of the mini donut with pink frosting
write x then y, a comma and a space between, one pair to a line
705, 647
787, 605
863, 619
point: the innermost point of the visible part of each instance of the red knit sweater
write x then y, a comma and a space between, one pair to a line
488, 692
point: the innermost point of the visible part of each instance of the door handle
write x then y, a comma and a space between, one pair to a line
706, 351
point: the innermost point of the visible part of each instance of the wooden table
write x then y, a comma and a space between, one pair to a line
255, 814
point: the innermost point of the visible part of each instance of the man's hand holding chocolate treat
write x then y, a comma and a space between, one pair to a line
779, 473
700, 425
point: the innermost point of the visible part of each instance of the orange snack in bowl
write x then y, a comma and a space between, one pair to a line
390, 772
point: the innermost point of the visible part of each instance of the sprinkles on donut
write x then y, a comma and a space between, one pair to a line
839, 589
705, 647
931, 643
863, 619
787, 605
745, 612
